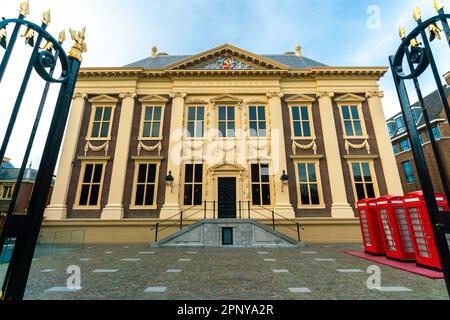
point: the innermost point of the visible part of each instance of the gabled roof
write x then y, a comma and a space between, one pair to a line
269, 61
433, 105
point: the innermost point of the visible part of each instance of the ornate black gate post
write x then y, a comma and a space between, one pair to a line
44, 59
418, 56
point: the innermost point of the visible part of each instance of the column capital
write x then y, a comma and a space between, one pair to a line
275, 94
124, 95
80, 95
178, 95
325, 94
372, 94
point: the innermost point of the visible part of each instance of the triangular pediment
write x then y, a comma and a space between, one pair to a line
227, 58
226, 98
226, 167
300, 98
153, 98
103, 98
349, 97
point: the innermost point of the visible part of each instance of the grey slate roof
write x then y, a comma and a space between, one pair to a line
433, 105
292, 61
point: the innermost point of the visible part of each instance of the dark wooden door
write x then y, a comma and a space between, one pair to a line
227, 198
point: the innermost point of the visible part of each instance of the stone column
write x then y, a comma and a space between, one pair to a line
279, 163
391, 175
171, 204
340, 207
57, 209
114, 209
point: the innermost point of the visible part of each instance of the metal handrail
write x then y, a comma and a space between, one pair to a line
176, 215
156, 226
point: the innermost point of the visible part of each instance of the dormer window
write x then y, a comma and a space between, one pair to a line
400, 124
391, 128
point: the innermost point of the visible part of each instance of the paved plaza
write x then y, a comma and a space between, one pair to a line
140, 272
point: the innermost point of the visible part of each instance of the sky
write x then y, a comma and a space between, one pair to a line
334, 32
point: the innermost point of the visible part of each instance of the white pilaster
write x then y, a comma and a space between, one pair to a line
279, 164
171, 203
114, 209
57, 210
340, 207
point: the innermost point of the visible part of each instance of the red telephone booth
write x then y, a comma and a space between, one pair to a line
420, 226
370, 227
394, 223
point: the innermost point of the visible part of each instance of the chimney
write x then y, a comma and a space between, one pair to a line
154, 52
298, 50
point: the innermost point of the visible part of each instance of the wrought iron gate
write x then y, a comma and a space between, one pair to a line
416, 54
23, 229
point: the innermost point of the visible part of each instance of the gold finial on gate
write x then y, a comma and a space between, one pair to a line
417, 13
24, 8
402, 32
62, 36
3, 36
29, 36
414, 43
79, 46
47, 17
438, 4
435, 31
48, 46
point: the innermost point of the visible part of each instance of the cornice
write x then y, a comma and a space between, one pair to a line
316, 72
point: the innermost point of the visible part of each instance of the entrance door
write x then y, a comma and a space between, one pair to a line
227, 198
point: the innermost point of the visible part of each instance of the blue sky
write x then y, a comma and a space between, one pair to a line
334, 32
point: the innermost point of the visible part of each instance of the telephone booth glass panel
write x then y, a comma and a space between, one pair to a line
387, 227
365, 227
419, 233
404, 229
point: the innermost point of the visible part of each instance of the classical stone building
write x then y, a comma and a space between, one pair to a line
402, 147
223, 133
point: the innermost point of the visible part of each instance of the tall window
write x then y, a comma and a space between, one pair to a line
436, 133
421, 138
407, 170
400, 124
196, 122
363, 180
301, 122
404, 145
226, 122
91, 184
395, 148
151, 125
309, 187
193, 184
391, 128
101, 123
260, 184
6, 191
257, 116
352, 121
145, 184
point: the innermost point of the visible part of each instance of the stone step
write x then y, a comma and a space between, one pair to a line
246, 233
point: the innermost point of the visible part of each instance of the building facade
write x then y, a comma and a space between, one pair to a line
211, 135
402, 147
8, 177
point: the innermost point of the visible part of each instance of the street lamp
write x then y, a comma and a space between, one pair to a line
284, 180
169, 181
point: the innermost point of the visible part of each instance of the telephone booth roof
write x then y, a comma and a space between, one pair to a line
365, 202
419, 195
390, 199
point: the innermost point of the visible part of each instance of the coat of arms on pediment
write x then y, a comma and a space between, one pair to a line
225, 63
226, 57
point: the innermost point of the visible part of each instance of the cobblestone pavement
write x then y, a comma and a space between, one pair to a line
141, 272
